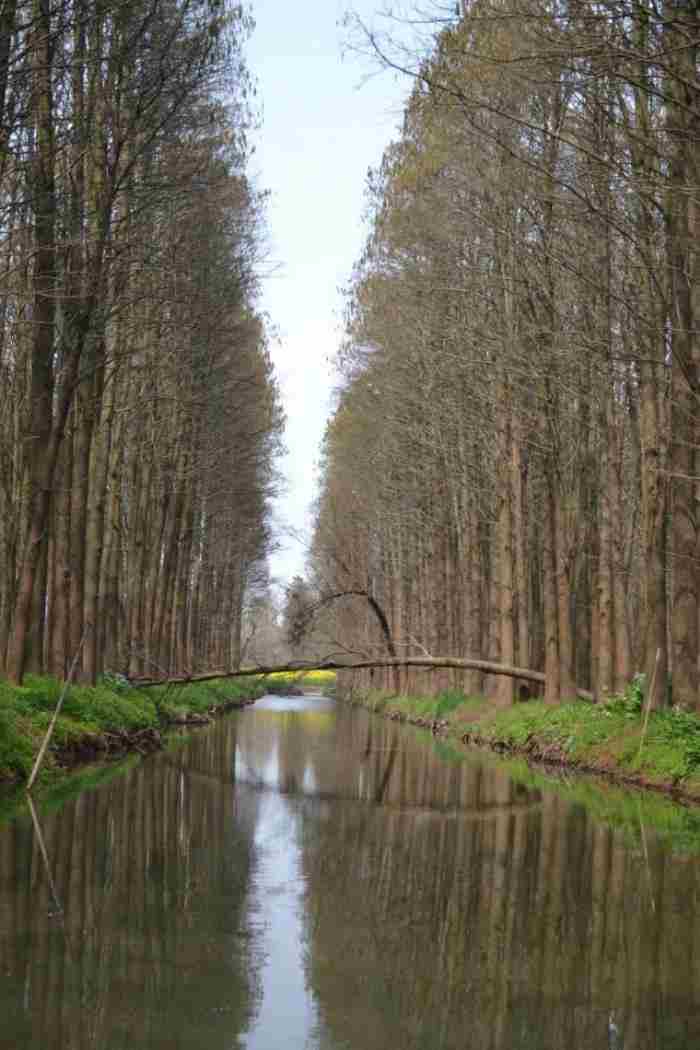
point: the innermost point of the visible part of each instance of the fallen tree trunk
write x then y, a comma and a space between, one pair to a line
427, 662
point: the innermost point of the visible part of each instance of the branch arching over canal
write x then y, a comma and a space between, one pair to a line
428, 662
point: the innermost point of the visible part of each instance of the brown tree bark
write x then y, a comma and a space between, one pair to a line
503, 570
95, 519
653, 524
567, 685
40, 442
605, 683
552, 665
681, 33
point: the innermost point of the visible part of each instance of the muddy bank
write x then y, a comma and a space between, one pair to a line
543, 754
115, 744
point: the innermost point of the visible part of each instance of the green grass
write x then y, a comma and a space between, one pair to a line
450, 705
606, 736
200, 697
89, 711
572, 728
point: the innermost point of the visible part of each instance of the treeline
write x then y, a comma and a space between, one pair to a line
139, 416
512, 469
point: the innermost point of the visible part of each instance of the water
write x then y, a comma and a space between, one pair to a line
303, 876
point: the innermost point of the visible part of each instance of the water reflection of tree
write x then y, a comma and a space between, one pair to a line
460, 912
152, 872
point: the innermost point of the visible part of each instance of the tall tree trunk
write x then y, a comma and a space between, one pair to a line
95, 519
567, 684
111, 620
653, 524
82, 435
505, 689
165, 584
35, 638
41, 450
682, 32
552, 665
622, 671
605, 661
60, 606
520, 537
138, 555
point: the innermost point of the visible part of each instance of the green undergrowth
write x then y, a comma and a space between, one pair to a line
200, 697
89, 711
450, 705
605, 737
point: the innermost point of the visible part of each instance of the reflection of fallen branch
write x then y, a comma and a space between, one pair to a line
44, 855
409, 809
467, 815
196, 774
58, 912
646, 857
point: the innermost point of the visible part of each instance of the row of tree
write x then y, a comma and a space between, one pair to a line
139, 417
512, 469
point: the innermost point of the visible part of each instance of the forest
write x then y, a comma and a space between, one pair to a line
511, 471
139, 414
510, 474
498, 833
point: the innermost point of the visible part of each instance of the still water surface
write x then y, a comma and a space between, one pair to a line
303, 876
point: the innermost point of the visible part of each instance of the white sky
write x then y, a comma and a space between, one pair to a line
323, 125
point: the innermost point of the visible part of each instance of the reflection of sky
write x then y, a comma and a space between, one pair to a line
286, 1017
320, 134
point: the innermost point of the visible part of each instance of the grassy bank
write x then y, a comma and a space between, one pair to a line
109, 719
607, 739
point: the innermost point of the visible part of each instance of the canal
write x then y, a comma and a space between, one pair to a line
305, 876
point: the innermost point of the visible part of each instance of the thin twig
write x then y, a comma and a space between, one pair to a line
645, 852
649, 697
59, 705
44, 856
